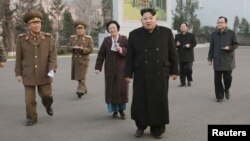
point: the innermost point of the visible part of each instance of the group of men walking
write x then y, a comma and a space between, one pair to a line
154, 55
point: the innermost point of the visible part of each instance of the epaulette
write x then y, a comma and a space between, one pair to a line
88, 36
47, 34
22, 35
72, 36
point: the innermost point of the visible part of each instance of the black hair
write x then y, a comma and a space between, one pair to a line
113, 22
151, 10
185, 23
222, 17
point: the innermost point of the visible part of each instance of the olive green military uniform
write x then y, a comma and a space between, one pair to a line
80, 60
35, 57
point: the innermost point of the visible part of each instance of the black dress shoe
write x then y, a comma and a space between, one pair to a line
49, 110
227, 93
139, 132
158, 136
182, 85
219, 100
79, 94
189, 84
31, 122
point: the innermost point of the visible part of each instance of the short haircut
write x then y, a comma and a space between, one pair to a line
222, 17
113, 22
185, 23
151, 10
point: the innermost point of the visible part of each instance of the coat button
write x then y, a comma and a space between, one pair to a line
35, 66
35, 56
158, 73
146, 62
146, 50
157, 60
80, 56
157, 49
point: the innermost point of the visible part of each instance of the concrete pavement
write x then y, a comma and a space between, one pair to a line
87, 119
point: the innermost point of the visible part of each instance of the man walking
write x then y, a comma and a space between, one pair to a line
221, 54
151, 59
36, 63
185, 43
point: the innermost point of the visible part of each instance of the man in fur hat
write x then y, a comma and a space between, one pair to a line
36, 63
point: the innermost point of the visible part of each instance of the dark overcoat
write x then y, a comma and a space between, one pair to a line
185, 54
151, 58
80, 57
35, 57
116, 87
223, 60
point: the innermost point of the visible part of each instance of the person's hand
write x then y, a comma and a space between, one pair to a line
226, 48
174, 77
178, 43
119, 49
187, 45
19, 78
210, 63
97, 71
128, 79
2, 64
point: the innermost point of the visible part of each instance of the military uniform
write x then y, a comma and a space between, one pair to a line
36, 56
80, 59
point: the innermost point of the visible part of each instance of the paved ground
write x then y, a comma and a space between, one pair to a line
87, 119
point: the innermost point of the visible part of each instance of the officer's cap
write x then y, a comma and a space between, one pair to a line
32, 16
80, 24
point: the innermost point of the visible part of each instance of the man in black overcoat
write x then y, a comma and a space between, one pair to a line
151, 60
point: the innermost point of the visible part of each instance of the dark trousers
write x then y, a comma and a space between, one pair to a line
186, 72
219, 88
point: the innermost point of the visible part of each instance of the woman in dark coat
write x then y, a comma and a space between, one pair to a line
113, 52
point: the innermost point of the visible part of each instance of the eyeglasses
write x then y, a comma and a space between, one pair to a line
220, 22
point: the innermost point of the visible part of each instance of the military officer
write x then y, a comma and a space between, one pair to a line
36, 63
2, 50
81, 46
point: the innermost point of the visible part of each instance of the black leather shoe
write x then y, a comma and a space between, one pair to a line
219, 100
189, 84
158, 136
139, 132
31, 122
49, 110
79, 94
227, 93
182, 85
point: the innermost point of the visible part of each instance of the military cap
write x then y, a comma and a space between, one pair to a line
80, 24
32, 16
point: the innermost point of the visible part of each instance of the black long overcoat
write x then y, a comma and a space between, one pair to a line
151, 58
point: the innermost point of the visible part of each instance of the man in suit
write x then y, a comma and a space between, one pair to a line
221, 53
185, 43
151, 59
36, 63
81, 45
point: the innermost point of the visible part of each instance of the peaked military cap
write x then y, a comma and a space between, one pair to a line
80, 24
32, 16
